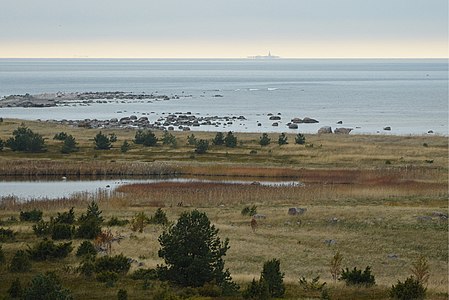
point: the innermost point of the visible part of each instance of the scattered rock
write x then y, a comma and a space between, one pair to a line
293, 211
259, 216
342, 130
340, 122
308, 120
275, 118
330, 242
393, 256
325, 130
387, 128
293, 126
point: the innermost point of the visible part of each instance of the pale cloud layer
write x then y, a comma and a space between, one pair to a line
224, 28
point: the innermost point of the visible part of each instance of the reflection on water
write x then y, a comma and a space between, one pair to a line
52, 188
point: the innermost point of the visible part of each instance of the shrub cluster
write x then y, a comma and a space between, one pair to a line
357, 277
6, 235
146, 138
20, 262
249, 210
159, 217
31, 216
86, 249
24, 139
47, 249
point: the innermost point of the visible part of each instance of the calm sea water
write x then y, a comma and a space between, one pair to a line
410, 96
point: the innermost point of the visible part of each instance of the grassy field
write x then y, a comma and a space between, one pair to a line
376, 199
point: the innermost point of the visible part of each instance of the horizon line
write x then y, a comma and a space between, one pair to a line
246, 58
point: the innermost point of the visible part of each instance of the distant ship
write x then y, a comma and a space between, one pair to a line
269, 56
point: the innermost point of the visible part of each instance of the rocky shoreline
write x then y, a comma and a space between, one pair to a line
60, 98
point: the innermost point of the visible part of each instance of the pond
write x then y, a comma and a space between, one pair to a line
53, 188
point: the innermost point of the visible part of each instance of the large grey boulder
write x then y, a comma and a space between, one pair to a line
308, 120
325, 130
342, 130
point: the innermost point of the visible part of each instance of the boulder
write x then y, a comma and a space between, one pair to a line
293, 126
259, 216
388, 128
325, 129
308, 120
275, 124
340, 122
296, 120
342, 130
293, 211
275, 118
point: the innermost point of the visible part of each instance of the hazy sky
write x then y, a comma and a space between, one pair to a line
224, 28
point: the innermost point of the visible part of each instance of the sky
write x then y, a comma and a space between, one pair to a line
224, 28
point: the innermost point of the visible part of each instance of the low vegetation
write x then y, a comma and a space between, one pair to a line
360, 212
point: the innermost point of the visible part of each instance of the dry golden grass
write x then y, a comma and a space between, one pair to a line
378, 214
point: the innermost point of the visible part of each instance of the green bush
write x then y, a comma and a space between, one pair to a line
202, 146
31, 216
87, 266
42, 228
191, 140
264, 140
272, 275
411, 288
257, 290
20, 262
47, 249
86, 248
2, 144
357, 277
24, 139
210, 290
6, 235
114, 221
65, 217
169, 139
194, 253
230, 140
125, 147
119, 264
300, 139
46, 286
146, 138
139, 221
60, 136
90, 223
249, 210
282, 140
62, 231
218, 139
102, 142
312, 285
69, 145
15, 290
159, 217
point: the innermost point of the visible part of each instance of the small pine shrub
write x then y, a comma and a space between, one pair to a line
139, 221
312, 285
31, 216
114, 221
7, 235
89, 228
411, 288
46, 286
272, 275
300, 139
420, 270
86, 249
42, 228
264, 140
60, 136
125, 147
230, 140
249, 210
62, 232
47, 249
65, 217
202, 146
122, 295
357, 277
107, 276
257, 290
87, 266
282, 140
15, 290
159, 217
118, 264
191, 140
218, 139
20, 262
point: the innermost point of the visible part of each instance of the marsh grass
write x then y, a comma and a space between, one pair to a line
372, 213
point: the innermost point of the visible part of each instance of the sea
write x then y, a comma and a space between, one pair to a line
410, 96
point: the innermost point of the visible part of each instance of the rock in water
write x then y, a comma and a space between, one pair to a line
325, 129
